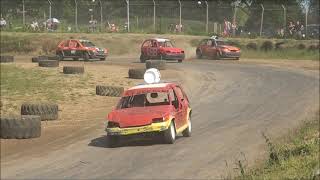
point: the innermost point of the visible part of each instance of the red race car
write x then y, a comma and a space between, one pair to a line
216, 49
158, 48
76, 49
160, 109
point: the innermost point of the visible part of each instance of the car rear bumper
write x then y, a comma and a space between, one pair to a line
154, 127
173, 56
230, 54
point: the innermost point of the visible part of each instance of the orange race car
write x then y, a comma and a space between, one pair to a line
76, 49
216, 49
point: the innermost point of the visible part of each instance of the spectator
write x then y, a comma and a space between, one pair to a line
291, 28
3, 23
35, 25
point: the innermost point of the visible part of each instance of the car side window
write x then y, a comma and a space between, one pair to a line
173, 98
73, 44
65, 44
154, 43
146, 44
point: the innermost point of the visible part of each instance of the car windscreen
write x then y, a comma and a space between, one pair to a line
166, 44
221, 43
87, 44
144, 100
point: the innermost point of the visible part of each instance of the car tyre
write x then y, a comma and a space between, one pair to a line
86, 56
142, 58
102, 59
180, 61
113, 141
75, 59
199, 54
187, 131
170, 134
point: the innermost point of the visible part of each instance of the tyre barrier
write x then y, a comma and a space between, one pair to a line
158, 64
48, 63
20, 127
73, 69
114, 91
136, 73
45, 111
6, 59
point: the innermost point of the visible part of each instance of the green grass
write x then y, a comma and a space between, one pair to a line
292, 54
295, 156
38, 85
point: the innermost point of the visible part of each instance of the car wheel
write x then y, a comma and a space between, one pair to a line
86, 56
199, 54
187, 131
170, 134
180, 61
142, 58
75, 59
102, 59
237, 58
113, 141
60, 56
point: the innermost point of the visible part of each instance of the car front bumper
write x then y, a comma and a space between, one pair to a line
154, 127
179, 56
230, 54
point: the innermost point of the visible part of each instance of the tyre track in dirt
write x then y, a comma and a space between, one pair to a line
232, 104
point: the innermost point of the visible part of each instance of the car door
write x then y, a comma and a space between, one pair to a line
153, 49
65, 48
145, 47
212, 49
183, 106
206, 47
202, 45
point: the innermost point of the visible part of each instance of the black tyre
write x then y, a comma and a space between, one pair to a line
179, 60
143, 58
73, 69
6, 59
187, 131
86, 56
40, 58
75, 59
45, 111
53, 58
60, 55
102, 59
136, 73
114, 91
34, 59
48, 63
237, 58
20, 127
158, 64
199, 54
169, 135
113, 141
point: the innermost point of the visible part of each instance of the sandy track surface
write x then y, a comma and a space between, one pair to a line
233, 103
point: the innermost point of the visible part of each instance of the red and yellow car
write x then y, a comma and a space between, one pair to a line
216, 49
159, 48
85, 49
160, 109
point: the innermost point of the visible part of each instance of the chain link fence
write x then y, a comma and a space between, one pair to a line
161, 16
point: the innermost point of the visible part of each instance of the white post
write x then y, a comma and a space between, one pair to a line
128, 15
306, 28
179, 14
76, 14
23, 14
234, 19
50, 9
154, 15
207, 17
284, 17
261, 25
101, 20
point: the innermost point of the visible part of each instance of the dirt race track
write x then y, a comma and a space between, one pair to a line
233, 103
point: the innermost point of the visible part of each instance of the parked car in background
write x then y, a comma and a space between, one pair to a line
77, 49
215, 48
159, 48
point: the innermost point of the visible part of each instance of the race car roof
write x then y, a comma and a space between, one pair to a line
147, 88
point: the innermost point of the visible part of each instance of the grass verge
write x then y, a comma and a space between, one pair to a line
294, 156
33, 85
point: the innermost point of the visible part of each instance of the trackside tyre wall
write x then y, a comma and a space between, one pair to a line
136, 73
34, 59
73, 69
20, 127
158, 64
40, 58
48, 63
6, 59
45, 111
114, 91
